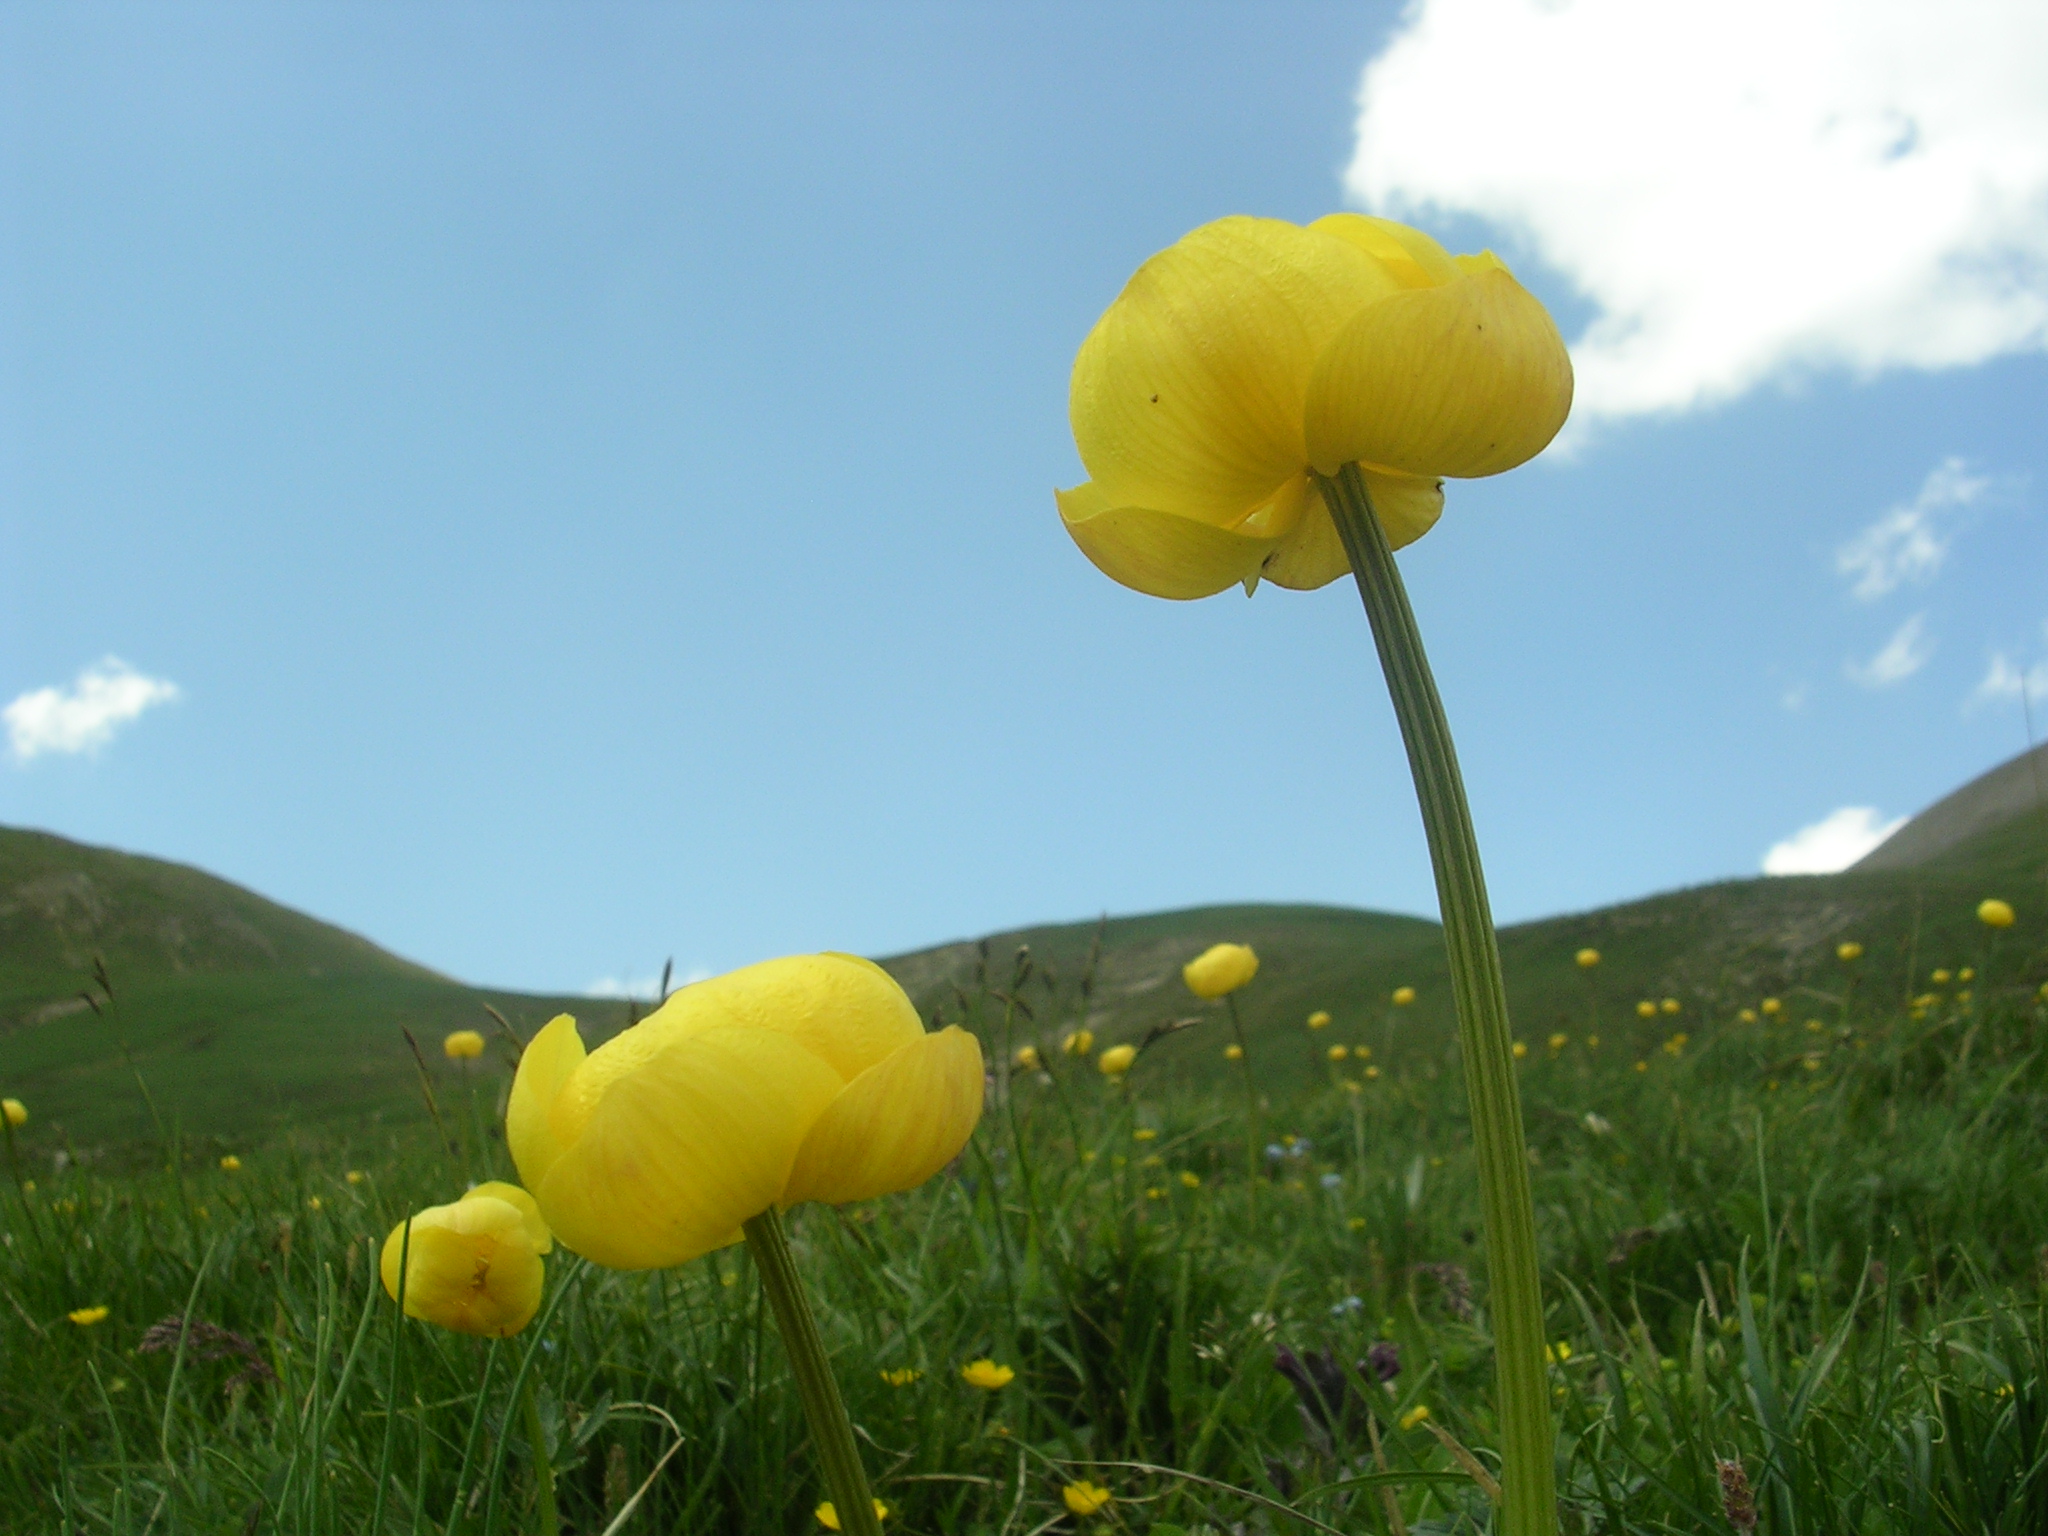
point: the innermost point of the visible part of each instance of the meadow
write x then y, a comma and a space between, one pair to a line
1795, 1259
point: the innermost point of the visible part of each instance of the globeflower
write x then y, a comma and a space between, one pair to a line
1646, 1009
231, 1164
1085, 1498
1587, 959
1116, 1061
1848, 950
808, 1078
473, 1266
987, 1375
463, 1045
1339, 1052
1993, 913
15, 1111
1403, 996
1254, 354
1220, 970
86, 1317
828, 1515
1027, 1059
1319, 1020
1079, 1043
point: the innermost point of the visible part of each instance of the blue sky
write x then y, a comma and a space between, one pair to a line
573, 486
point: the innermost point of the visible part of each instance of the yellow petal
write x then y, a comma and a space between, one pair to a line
846, 1011
678, 1153
1187, 396
520, 1201
1411, 257
548, 1062
470, 1267
1467, 379
896, 1124
1161, 554
1220, 969
1313, 555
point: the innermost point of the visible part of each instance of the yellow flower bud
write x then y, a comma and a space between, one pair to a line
1233, 1052
1414, 1416
1027, 1059
1403, 996
86, 1317
1190, 1180
807, 1078
1558, 1042
1587, 958
15, 1111
1646, 1009
1771, 1007
1084, 1499
473, 1266
828, 1514
987, 1375
1994, 913
1670, 1005
463, 1045
1941, 978
1220, 969
1521, 1049
1319, 1020
1848, 950
1079, 1043
230, 1164
1116, 1061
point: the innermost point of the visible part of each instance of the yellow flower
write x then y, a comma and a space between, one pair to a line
354, 1176
809, 1078
1558, 1353
1319, 1020
1339, 1053
1940, 978
1747, 1016
1116, 1061
1403, 996
902, 1377
1814, 1026
1233, 1053
463, 1045
1414, 1416
1190, 1180
15, 1111
1027, 1059
1848, 950
1220, 969
1994, 913
1676, 1043
473, 1266
1372, 1072
1362, 1052
1559, 1041
1587, 958
1144, 1133
1079, 1043
1642, 1066
1521, 1049
1253, 351
1967, 973
1646, 1009
1084, 1498
1669, 1005
987, 1375
312, 1202
1592, 1042
230, 1163
1355, 1224
86, 1317
1771, 1007
828, 1516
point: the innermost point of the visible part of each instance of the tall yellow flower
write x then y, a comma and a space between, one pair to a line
987, 1375
473, 1266
1253, 351
1116, 1061
463, 1045
1994, 913
15, 1111
807, 1078
1220, 970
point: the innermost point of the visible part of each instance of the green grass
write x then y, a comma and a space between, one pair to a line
1813, 1252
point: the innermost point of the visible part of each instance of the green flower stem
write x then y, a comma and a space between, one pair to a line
543, 1468
1253, 1139
1528, 1486
831, 1431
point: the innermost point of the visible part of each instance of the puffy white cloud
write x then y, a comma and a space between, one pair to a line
1908, 542
1744, 192
1901, 656
646, 989
1834, 842
2006, 679
85, 716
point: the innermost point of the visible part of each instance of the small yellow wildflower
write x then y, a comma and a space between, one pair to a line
15, 1111
86, 1317
1993, 913
1339, 1052
1559, 1352
1940, 978
463, 1045
902, 1376
312, 1202
1371, 1073
828, 1516
354, 1176
1079, 1043
1747, 1016
1415, 1416
1587, 958
1144, 1133
1319, 1020
1848, 950
1190, 1179
1084, 1499
987, 1375
1559, 1041
231, 1164
1355, 1224
1642, 1066
1233, 1053
1220, 970
1814, 1026
1116, 1061
1155, 1193
1403, 996
1592, 1042
1771, 1007
1646, 1009
1027, 1059
1676, 1044
1967, 973
1670, 1005
1521, 1049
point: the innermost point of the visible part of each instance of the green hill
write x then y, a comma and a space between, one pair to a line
243, 1015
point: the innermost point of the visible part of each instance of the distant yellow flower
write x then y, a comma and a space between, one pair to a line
1848, 950
1642, 1066
1676, 1043
1339, 1052
1084, 1499
230, 1163
1319, 1020
2044, 992
15, 1111
1253, 351
1646, 1009
1587, 958
354, 1176
1362, 1052
828, 1516
1078, 1042
1559, 1352
1144, 1133
1521, 1049
1771, 1007
902, 1377
1814, 1026
1967, 973
463, 1045
1559, 1041
1414, 1416
808, 1078
1220, 969
1233, 1053
987, 1375
1940, 978
1669, 1005
1116, 1061
1403, 996
86, 1317
1747, 1016
1994, 913
312, 1202
473, 1266
1372, 1072
1190, 1180
1155, 1193
1027, 1059
1355, 1224
1592, 1042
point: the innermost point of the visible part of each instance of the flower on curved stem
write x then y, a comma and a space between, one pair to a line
1220, 970
463, 1045
473, 1266
1993, 913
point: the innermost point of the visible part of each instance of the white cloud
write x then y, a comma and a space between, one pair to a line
1743, 194
2007, 680
1834, 842
1907, 542
645, 989
85, 716
1901, 656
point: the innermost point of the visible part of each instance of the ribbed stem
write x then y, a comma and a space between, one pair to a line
831, 1431
550, 1521
1528, 1482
